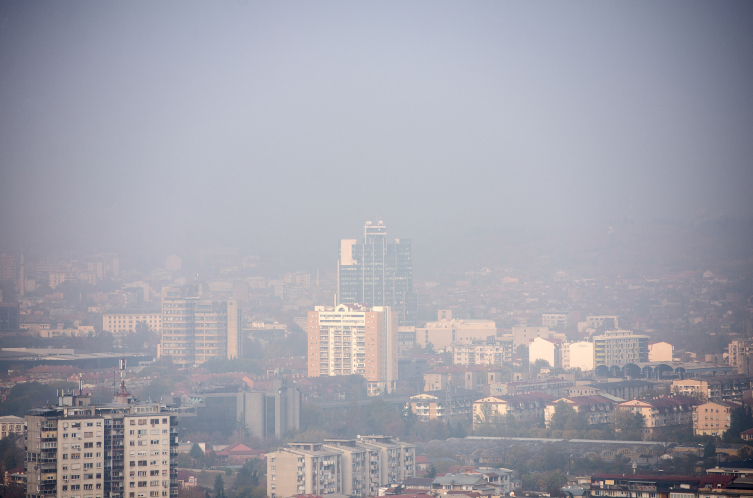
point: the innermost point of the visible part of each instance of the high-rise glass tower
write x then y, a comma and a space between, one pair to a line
376, 272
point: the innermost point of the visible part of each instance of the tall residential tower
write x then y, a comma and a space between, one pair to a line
195, 330
352, 339
376, 272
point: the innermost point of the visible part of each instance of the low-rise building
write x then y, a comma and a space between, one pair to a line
598, 410
553, 386
713, 388
471, 377
626, 389
713, 418
442, 333
443, 405
524, 407
11, 425
662, 413
125, 321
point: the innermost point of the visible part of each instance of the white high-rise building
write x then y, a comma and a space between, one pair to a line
353, 339
620, 347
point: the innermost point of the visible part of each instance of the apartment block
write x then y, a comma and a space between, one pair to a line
397, 460
360, 466
443, 405
713, 418
662, 413
524, 407
608, 321
554, 320
342, 467
195, 330
125, 321
620, 347
714, 388
598, 410
482, 353
737, 350
354, 339
470, 377
304, 468
441, 334
118, 450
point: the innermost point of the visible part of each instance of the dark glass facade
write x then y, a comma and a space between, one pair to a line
379, 273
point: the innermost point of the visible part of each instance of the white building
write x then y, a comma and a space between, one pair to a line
353, 339
442, 333
660, 351
578, 355
546, 349
11, 425
620, 347
482, 353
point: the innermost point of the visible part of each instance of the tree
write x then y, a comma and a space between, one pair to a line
629, 424
709, 451
219, 487
196, 454
538, 365
409, 418
431, 471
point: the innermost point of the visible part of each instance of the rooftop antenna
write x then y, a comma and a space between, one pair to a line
122, 395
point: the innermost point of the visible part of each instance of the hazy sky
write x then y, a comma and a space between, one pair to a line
140, 126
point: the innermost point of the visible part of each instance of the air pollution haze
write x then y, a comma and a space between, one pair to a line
153, 128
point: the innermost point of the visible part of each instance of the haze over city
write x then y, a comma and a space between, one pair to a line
281, 127
354, 249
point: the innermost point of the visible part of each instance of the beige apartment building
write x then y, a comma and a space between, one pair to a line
609, 321
360, 466
195, 330
521, 407
713, 388
662, 413
125, 321
713, 418
736, 351
597, 409
354, 339
356, 467
119, 450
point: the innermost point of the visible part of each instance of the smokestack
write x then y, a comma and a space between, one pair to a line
80, 387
